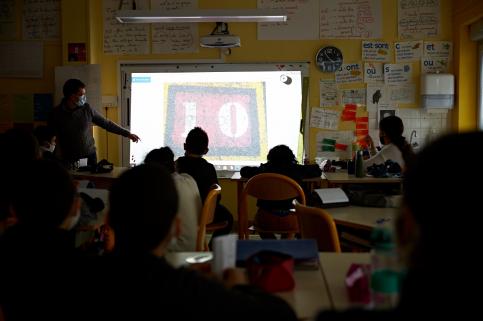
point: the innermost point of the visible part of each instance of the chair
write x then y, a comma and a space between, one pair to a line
270, 187
316, 223
206, 218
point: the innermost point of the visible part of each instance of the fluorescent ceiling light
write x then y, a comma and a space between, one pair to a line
201, 15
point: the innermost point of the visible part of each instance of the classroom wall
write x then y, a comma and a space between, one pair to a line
466, 62
82, 22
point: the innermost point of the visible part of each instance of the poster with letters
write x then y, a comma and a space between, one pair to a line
349, 73
408, 51
438, 49
434, 65
373, 72
376, 51
396, 74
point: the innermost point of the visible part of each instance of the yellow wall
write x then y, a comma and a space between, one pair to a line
82, 22
466, 63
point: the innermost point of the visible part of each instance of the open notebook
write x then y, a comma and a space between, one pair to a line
332, 197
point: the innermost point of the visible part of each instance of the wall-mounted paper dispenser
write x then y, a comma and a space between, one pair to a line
437, 91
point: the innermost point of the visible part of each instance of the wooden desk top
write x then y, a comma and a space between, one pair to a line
334, 267
115, 173
309, 297
344, 178
363, 217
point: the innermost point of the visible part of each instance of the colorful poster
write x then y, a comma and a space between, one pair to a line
373, 72
434, 65
349, 113
438, 49
335, 144
349, 73
235, 117
376, 51
408, 51
396, 74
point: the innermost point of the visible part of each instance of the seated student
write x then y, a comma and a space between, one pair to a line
139, 281
204, 173
46, 139
36, 251
19, 147
276, 215
189, 203
395, 147
438, 238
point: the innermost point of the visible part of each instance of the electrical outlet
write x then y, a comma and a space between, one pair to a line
109, 101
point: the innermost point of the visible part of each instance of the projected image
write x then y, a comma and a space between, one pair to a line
245, 113
232, 114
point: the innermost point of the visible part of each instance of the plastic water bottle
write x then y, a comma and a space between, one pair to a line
359, 164
385, 271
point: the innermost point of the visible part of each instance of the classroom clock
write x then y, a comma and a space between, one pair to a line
329, 59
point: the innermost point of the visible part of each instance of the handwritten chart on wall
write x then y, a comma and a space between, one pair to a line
349, 19
302, 19
7, 19
124, 38
41, 19
418, 19
174, 37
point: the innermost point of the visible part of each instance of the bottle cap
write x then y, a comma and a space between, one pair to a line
385, 281
382, 238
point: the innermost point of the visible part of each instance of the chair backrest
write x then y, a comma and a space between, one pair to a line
206, 217
270, 187
316, 223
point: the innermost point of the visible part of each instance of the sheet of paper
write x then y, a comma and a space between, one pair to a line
408, 51
324, 118
334, 144
396, 74
332, 195
376, 51
224, 253
328, 93
350, 19
349, 73
418, 19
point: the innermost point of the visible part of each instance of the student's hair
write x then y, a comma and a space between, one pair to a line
196, 141
143, 204
163, 156
44, 134
393, 127
281, 155
444, 199
71, 87
20, 145
42, 194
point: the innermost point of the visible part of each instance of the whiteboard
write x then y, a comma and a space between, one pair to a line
90, 75
23, 59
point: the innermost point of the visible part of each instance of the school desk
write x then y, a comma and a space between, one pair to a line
309, 296
334, 268
101, 180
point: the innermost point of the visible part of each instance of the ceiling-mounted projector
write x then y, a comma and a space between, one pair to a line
220, 41
220, 37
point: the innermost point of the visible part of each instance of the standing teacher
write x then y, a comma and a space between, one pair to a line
72, 122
